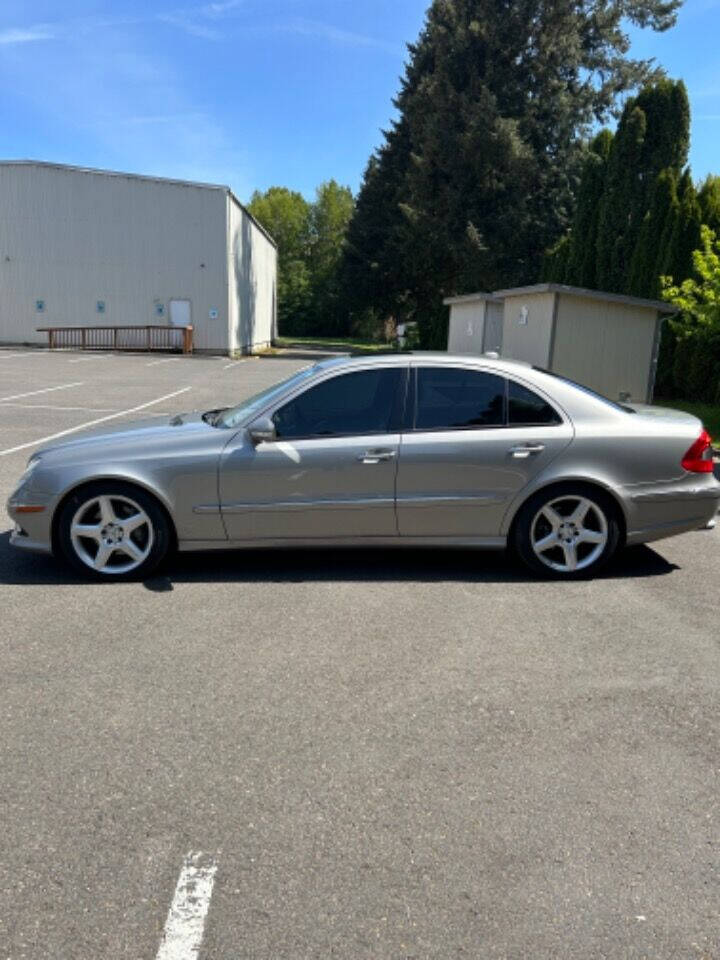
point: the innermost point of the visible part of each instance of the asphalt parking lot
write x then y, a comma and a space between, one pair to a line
379, 755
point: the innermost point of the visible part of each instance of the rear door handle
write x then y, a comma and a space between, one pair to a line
376, 456
524, 450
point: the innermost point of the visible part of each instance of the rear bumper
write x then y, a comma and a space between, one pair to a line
664, 510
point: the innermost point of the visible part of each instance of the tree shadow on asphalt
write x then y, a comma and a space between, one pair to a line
362, 565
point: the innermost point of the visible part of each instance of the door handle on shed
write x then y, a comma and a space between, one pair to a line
376, 456
524, 450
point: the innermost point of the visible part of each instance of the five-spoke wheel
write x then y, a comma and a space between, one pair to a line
114, 530
567, 531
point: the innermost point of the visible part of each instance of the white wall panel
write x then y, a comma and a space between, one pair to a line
72, 237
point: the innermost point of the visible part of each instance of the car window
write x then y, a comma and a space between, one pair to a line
591, 393
451, 398
352, 403
527, 409
234, 416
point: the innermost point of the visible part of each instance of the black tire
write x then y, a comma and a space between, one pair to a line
603, 520
151, 541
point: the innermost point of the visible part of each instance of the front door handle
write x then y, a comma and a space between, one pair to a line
524, 450
376, 456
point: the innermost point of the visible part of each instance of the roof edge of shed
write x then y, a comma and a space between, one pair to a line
473, 298
586, 293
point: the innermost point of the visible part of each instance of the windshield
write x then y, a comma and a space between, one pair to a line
234, 416
591, 393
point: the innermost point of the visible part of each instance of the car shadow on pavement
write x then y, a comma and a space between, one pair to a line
423, 565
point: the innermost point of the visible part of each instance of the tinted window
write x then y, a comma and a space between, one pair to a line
587, 390
526, 408
452, 398
353, 403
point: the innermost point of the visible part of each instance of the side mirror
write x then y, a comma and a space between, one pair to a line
262, 431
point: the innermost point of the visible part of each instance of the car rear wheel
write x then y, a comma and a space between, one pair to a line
113, 531
567, 532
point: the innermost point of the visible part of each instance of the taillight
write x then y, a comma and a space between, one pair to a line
698, 459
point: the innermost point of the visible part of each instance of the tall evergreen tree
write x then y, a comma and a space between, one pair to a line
657, 238
581, 267
687, 240
653, 135
481, 167
709, 199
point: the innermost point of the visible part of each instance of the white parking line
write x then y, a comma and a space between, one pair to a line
34, 393
167, 360
52, 406
95, 356
92, 423
185, 922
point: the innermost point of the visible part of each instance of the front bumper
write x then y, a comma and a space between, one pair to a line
32, 531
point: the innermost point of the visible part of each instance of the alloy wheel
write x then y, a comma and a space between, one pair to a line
112, 534
569, 533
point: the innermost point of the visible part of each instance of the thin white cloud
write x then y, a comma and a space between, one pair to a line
194, 20
325, 31
26, 34
186, 22
215, 10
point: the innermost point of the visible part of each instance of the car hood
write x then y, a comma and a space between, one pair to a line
156, 430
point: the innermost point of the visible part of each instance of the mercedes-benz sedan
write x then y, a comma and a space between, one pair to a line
396, 450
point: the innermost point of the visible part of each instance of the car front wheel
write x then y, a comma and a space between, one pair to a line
113, 531
567, 532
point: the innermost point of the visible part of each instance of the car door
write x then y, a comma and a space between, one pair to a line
475, 440
330, 472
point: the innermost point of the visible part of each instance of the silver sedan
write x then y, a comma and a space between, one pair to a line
396, 450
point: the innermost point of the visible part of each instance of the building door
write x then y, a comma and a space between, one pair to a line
180, 313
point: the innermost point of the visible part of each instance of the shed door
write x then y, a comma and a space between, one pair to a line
493, 339
180, 313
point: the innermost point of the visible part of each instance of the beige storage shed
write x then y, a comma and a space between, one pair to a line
476, 323
606, 341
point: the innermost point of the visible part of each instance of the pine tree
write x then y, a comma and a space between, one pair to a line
481, 168
653, 135
581, 267
618, 227
687, 239
653, 249
709, 198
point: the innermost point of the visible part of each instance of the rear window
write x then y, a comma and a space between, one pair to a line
587, 390
528, 409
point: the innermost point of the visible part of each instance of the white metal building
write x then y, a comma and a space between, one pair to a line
95, 248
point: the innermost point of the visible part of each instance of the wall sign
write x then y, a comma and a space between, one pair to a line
523, 318
213, 313
159, 309
40, 306
100, 306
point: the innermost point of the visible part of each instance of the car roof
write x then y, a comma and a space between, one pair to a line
395, 357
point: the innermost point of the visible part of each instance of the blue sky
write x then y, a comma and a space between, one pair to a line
250, 92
